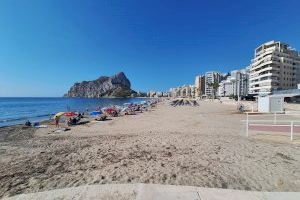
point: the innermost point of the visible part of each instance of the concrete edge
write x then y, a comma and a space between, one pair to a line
153, 191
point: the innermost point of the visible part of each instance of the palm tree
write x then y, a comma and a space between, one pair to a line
215, 85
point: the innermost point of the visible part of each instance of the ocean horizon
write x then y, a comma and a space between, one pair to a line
17, 110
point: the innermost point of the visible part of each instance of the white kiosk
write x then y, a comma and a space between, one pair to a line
270, 103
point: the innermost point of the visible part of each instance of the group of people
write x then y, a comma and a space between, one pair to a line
71, 121
110, 111
75, 120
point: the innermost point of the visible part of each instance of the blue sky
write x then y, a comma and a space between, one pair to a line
46, 46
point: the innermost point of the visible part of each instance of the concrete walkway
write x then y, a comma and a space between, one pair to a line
153, 192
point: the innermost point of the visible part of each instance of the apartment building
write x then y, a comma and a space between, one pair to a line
211, 77
240, 80
275, 66
235, 84
199, 86
225, 88
183, 91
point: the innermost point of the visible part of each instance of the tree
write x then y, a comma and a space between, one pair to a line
215, 85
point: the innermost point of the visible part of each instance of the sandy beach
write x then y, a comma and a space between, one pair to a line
196, 146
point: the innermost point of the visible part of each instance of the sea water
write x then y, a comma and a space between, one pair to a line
18, 110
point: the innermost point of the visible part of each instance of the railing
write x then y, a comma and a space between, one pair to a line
273, 124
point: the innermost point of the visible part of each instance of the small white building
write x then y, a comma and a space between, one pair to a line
270, 103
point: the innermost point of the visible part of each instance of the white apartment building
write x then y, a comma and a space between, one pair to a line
240, 80
225, 88
211, 77
236, 84
275, 66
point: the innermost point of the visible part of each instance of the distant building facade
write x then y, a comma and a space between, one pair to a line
188, 91
237, 84
199, 85
225, 88
211, 77
275, 66
240, 80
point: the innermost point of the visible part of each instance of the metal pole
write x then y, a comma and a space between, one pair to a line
292, 130
247, 125
275, 118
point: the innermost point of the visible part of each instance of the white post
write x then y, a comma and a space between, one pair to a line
275, 118
247, 125
292, 130
252, 107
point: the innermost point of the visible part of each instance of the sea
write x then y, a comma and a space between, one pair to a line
18, 110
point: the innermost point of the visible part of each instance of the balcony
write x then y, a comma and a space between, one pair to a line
264, 70
262, 65
262, 87
264, 82
264, 51
260, 76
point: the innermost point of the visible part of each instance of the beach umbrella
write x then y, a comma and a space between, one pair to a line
70, 114
59, 114
96, 113
109, 110
125, 109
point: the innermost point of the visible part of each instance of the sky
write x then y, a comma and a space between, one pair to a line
46, 46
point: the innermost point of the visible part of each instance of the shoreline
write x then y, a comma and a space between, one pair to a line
56, 104
196, 146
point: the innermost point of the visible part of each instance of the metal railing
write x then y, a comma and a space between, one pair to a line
273, 122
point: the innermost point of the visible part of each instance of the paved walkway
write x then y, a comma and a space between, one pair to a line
154, 192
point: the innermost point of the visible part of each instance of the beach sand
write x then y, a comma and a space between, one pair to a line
197, 146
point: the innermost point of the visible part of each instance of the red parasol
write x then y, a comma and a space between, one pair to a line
110, 110
70, 114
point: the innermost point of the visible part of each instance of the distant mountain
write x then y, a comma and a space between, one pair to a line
114, 86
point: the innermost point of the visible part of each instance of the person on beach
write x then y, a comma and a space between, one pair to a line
56, 121
28, 123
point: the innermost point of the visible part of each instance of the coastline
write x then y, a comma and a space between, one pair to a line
36, 109
197, 146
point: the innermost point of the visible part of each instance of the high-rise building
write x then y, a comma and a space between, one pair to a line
240, 80
275, 66
211, 77
235, 84
199, 86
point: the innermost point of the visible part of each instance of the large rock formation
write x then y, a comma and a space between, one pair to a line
114, 86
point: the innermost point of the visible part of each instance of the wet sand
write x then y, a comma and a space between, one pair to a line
196, 146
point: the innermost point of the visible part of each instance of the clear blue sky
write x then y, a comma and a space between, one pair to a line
47, 45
